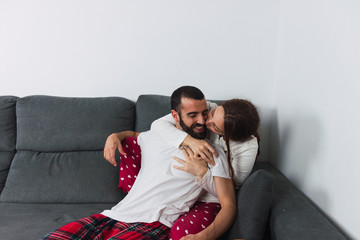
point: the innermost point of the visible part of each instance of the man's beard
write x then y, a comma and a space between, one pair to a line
190, 130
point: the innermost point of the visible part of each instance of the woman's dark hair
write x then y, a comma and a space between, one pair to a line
185, 92
241, 121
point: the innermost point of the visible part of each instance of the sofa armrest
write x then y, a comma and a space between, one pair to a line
293, 215
254, 201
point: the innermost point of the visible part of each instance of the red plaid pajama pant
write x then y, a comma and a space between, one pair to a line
100, 227
197, 219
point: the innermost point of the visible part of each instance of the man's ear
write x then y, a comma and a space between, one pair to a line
175, 115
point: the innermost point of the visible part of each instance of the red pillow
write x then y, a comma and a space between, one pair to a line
129, 164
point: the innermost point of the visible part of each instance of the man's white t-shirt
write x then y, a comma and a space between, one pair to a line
161, 192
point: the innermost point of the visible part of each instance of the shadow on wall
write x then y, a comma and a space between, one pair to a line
294, 146
264, 131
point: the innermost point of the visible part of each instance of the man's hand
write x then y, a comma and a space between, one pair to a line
112, 143
193, 166
193, 237
201, 149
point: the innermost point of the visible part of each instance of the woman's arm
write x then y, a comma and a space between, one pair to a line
226, 216
243, 156
113, 142
226, 194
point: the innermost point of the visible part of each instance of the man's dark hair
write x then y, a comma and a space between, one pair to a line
185, 92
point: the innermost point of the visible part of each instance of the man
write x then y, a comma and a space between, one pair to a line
161, 193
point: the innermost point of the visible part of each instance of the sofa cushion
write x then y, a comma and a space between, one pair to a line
59, 155
34, 221
7, 135
64, 177
55, 124
254, 200
293, 215
7, 123
149, 108
5, 161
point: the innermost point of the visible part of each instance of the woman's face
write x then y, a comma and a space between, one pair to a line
215, 121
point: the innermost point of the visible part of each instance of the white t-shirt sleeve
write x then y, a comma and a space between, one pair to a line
207, 182
140, 138
221, 169
166, 129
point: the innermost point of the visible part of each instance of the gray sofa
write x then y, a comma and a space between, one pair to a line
52, 171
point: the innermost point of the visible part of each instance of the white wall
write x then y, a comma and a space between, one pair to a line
102, 48
317, 119
128, 48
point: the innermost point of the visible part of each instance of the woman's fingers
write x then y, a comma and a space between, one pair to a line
179, 160
212, 150
190, 165
209, 157
189, 152
206, 155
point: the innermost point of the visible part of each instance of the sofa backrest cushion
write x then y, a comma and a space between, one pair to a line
149, 108
54, 124
7, 135
7, 123
60, 144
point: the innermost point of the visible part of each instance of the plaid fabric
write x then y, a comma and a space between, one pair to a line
99, 227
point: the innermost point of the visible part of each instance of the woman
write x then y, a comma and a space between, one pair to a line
233, 125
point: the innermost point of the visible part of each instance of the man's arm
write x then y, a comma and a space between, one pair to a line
113, 142
226, 216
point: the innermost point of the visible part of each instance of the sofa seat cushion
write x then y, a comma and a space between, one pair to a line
34, 221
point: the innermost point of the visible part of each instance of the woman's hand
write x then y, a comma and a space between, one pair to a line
112, 143
201, 149
193, 166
